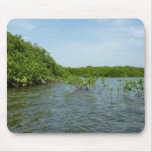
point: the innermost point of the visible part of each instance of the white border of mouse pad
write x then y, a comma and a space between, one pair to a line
74, 9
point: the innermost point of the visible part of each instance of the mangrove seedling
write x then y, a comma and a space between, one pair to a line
110, 90
103, 80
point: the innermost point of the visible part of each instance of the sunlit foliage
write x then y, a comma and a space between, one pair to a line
28, 64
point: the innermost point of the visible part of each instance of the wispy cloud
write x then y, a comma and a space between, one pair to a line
128, 26
23, 25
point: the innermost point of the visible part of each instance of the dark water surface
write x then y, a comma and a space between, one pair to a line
55, 108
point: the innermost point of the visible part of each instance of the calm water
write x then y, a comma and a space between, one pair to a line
55, 108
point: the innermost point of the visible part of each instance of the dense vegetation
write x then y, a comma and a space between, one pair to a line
117, 71
29, 64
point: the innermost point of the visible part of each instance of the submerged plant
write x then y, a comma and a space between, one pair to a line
127, 86
103, 80
139, 87
110, 90
80, 83
134, 86
88, 83
118, 90
120, 82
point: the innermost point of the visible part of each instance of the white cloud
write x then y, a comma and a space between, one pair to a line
24, 25
125, 25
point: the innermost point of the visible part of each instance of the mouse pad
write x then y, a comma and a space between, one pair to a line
75, 76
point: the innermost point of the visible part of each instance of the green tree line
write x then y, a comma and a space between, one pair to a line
117, 71
29, 64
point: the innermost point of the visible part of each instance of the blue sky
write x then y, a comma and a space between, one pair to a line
86, 42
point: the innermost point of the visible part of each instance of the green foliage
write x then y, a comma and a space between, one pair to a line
134, 86
87, 83
117, 71
110, 89
27, 64
80, 83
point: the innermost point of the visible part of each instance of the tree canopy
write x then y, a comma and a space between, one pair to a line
117, 71
28, 64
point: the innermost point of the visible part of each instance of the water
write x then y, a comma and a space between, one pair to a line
55, 108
